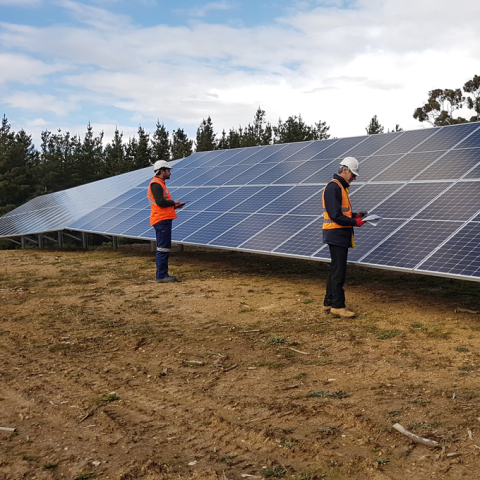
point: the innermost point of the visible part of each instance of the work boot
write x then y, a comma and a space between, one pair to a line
327, 308
342, 312
166, 279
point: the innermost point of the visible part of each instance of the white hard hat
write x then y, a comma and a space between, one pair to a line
351, 163
160, 164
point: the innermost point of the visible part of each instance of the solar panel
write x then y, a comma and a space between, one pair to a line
410, 244
277, 233
410, 199
425, 184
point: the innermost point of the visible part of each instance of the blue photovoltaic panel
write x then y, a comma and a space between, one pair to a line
372, 144
407, 142
226, 176
108, 223
277, 233
407, 247
458, 203
141, 229
425, 184
410, 199
473, 174
340, 148
453, 165
237, 235
407, 167
260, 154
211, 198
460, 255
131, 221
301, 171
182, 216
306, 242
202, 179
325, 174
369, 236
216, 228
289, 200
323, 253
285, 153
191, 195
270, 176
472, 141
310, 206
446, 138
234, 199
195, 159
222, 157
369, 196
243, 155
313, 149
372, 166
189, 176
260, 199
98, 213
192, 225
249, 173
142, 204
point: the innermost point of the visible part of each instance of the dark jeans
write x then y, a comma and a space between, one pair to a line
335, 296
163, 231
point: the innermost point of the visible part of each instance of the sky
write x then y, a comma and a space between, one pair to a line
125, 63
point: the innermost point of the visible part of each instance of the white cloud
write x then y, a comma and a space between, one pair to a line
26, 70
203, 10
328, 62
21, 3
33, 101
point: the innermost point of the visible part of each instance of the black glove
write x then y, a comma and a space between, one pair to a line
362, 214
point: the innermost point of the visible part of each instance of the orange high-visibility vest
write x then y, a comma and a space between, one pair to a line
157, 214
328, 223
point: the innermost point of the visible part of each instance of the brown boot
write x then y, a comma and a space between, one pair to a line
327, 308
342, 312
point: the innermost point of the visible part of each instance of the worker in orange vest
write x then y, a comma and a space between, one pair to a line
338, 223
161, 215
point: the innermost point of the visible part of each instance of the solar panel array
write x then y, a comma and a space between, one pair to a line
424, 183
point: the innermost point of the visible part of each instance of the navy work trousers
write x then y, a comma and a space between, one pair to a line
163, 231
335, 296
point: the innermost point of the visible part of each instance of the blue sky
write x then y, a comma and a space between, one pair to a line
64, 63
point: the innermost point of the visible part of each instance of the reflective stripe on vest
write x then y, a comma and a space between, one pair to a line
157, 214
328, 223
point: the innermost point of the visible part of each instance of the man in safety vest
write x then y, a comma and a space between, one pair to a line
338, 223
161, 215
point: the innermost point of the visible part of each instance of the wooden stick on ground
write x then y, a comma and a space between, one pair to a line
415, 438
298, 351
8, 429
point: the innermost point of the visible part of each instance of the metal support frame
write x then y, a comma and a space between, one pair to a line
115, 243
60, 238
40, 241
23, 241
14, 241
84, 240
153, 246
72, 236
182, 247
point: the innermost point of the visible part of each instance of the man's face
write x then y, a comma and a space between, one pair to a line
165, 174
348, 176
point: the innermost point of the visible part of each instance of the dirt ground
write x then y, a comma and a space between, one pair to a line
234, 373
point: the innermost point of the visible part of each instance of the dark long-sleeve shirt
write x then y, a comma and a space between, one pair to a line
159, 196
333, 204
